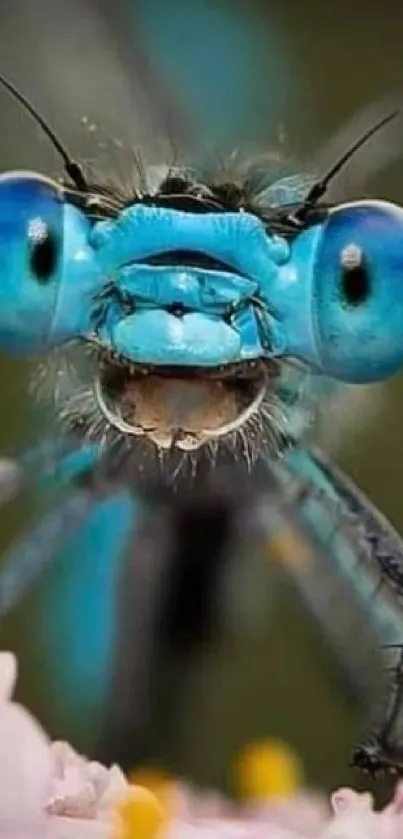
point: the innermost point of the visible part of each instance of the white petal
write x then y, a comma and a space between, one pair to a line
8, 675
65, 828
25, 766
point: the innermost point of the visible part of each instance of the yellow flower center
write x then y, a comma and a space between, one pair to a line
140, 815
267, 770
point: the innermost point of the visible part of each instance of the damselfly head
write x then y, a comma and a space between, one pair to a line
178, 295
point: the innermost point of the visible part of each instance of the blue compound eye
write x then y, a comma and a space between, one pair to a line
31, 257
49, 275
31, 224
358, 292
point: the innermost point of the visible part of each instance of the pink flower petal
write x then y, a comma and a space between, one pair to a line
306, 812
395, 807
65, 828
8, 675
25, 766
51, 792
82, 789
355, 818
230, 829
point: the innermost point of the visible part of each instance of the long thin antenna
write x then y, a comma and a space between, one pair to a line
319, 188
72, 169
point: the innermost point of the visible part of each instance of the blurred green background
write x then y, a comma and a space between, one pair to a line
227, 74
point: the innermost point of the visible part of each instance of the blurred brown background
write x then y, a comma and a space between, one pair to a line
254, 71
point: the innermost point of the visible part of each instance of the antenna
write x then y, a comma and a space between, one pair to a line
319, 188
72, 169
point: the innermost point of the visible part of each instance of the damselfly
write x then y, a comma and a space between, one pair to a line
184, 324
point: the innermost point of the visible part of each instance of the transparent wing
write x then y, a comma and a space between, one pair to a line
374, 569
71, 64
121, 67
232, 528
375, 572
123, 596
59, 581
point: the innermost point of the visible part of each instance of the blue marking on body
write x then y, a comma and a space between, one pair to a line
245, 323
82, 280
208, 291
77, 613
57, 461
238, 239
157, 337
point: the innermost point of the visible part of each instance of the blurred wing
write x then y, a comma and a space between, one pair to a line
198, 75
380, 537
70, 63
361, 545
375, 574
64, 575
200, 547
126, 593
35, 553
75, 615
234, 77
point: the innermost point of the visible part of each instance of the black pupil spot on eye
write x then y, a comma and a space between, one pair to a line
43, 256
355, 284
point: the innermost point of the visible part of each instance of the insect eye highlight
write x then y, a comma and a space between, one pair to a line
44, 251
355, 276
